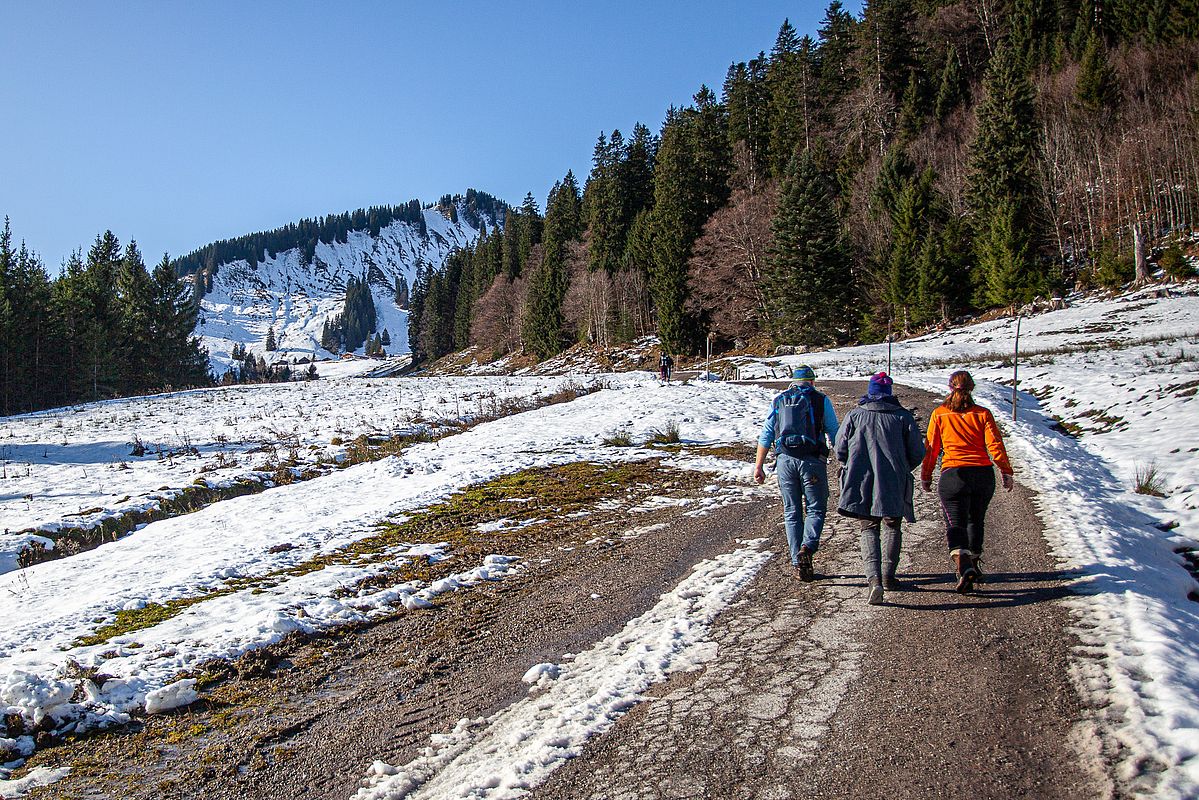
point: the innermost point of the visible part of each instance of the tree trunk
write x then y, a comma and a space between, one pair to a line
1138, 254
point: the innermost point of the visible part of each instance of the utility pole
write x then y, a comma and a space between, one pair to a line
1016, 367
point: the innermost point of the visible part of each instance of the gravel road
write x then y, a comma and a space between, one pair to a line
813, 693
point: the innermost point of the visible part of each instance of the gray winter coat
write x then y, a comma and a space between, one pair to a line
878, 446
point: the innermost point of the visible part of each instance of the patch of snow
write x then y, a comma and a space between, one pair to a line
513, 751
41, 776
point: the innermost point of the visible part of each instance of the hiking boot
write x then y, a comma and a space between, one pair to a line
977, 562
963, 561
892, 584
875, 596
805, 564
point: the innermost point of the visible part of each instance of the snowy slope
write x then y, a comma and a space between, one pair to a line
297, 298
1122, 370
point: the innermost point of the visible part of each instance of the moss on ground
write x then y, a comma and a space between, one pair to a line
132, 620
548, 496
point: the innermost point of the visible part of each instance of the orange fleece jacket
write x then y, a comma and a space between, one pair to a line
970, 439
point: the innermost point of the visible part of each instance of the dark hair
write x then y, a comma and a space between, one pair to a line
960, 387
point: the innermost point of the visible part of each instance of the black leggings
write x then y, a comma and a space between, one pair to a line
965, 493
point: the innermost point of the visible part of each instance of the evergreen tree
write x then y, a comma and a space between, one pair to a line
99, 329
912, 219
466, 290
44, 362
951, 91
436, 321
746, 95
895, 174
1003, 183
639, 249
912, 112
1005, 259
416, 312
889, 47
637, 173
8, 333
271, 344
691, 181
134, 317
511, 251
401, 294
542, 325
604, 203
530, 228
792, 81
943, 284
1097, 90
838, 76
808, 285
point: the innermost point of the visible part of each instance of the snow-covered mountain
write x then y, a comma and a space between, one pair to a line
296, 296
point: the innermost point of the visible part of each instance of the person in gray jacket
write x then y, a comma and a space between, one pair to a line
878, 446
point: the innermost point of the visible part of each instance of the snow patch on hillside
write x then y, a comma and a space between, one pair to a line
297, 298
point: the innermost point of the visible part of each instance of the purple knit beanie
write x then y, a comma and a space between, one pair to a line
880, 383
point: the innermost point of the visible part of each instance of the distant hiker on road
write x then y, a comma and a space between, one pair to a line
879, 445
665, 366
971, 440
800, 420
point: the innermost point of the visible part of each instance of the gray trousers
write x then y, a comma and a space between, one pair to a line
881, 539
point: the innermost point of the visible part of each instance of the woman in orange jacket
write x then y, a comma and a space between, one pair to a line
971, 441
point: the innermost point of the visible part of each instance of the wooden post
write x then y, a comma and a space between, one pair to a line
1016, 368
888, 346
708, 364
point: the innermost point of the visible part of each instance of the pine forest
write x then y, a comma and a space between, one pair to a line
105, 326
922, 161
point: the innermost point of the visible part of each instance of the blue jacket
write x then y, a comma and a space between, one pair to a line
767, 437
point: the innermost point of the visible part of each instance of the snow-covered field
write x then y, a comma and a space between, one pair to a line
74, 466
1139, 630
43, 666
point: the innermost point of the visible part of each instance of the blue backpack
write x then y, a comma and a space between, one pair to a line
799, 423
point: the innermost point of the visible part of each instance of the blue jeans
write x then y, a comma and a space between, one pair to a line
803, 483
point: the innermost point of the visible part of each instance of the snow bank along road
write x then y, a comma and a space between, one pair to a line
759, 685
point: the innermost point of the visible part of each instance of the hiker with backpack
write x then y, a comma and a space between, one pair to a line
665, 366
971, 441
879, 445
801, 427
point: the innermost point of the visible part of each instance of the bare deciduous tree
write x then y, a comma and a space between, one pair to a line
728, 263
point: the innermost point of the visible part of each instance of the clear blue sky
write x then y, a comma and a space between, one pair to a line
179, 123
